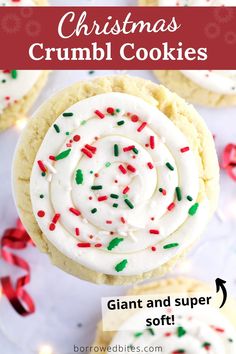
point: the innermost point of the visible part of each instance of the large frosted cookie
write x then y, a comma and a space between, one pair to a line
201, 331
120, 179
19, 88
214, 88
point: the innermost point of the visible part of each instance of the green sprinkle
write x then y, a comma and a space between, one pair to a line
83, 122
107, 164
14, 74
120, 266
56, 127
128, 202
43, 174
138, 334
189, 198
41, 196
116, 150
67, 114
181, 331
170, 245
160, 190
151, 331
4, 81
115, 205
91, 72
206, 344
114, 243
178, 193
121, 122
63, 155
230, 340
114, 196
135, 150
94, 210
96, 188
79, 177
169, 166
91, 172
67, 133
117, 110
193, 209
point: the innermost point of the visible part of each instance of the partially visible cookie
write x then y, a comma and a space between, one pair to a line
178, 82
197, 332
209, 88
19, 88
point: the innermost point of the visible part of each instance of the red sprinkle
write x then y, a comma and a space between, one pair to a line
108, 222
84, 245
125, 190
128, 148
122, 220
110, 110
150, 165
96, 174
99, 114
141, 127
184, 149
41, 166
76, 138
91, 148
153, 248
152, 142
41, 213
171, 206
164, 191
87, 153
122, 169
98, 245
51, 157
52, 227
102, 198
77, 231
167, 334
217, 329
154, 232
75, 211
56, 218
131, 168
134, 118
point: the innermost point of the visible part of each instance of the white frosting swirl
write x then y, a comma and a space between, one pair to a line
144, 200
15, 84
218, 81
195, 332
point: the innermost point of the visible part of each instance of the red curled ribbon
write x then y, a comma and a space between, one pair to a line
229, 160
19, 299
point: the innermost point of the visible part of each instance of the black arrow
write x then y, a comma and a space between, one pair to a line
220, 284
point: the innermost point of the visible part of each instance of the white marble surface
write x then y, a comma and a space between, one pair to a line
64, 302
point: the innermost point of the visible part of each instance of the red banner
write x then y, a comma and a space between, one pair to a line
118, 38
